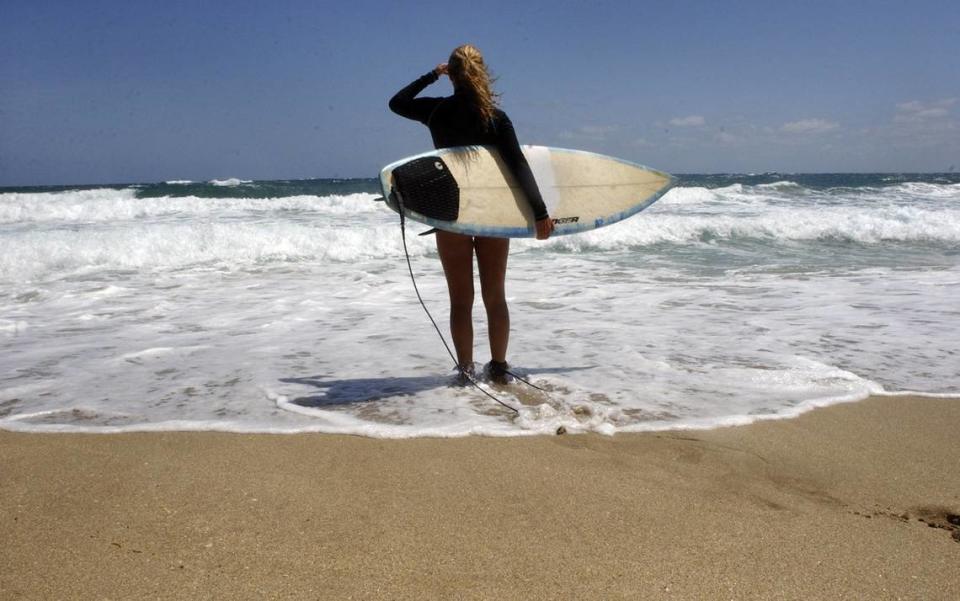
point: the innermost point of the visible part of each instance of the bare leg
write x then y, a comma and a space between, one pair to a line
456, 256
492, 261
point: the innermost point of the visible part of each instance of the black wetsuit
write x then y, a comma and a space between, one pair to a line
454, 122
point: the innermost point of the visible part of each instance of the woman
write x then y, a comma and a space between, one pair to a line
470, 117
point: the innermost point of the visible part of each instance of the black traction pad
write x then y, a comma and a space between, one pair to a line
427, 187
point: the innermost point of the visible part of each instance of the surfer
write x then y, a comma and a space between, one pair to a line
470, 117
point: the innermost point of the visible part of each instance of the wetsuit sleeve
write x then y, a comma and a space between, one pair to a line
406, 104
512, 155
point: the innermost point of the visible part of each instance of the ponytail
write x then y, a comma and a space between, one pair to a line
469, 74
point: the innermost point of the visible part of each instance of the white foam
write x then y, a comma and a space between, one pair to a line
697, 195
108, 205
180, 232
713, 307
73, 205
38, 254
900, 224
13, 327
230, 182
927, 190
782, 185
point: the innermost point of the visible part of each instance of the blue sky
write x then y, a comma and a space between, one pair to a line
97, 92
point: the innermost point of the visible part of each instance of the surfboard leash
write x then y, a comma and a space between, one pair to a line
463, 372
527, 382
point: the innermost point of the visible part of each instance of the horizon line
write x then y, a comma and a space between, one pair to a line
4, 187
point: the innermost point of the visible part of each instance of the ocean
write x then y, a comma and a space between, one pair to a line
286, 306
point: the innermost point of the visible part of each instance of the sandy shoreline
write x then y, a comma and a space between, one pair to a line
826, 505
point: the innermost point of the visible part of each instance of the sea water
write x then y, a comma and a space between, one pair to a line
286, 306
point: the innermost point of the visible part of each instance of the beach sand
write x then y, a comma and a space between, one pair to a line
835, 504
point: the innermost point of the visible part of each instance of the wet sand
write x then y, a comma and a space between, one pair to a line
854, 501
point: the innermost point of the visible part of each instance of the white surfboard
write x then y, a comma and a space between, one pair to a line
582, 190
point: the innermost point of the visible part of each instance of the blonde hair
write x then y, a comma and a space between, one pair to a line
470, 74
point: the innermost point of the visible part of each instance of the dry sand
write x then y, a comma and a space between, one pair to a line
825, 506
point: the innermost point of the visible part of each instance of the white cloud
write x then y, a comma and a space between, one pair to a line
725, 138
809, 126
690, 121
916, 111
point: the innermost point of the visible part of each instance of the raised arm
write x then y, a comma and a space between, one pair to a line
406, 104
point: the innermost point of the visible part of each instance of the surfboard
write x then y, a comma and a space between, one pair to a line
470, 190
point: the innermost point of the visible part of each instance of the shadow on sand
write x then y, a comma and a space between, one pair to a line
331, 392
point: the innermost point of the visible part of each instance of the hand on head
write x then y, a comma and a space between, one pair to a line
441, 69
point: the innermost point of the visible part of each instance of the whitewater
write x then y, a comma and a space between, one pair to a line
243, 306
